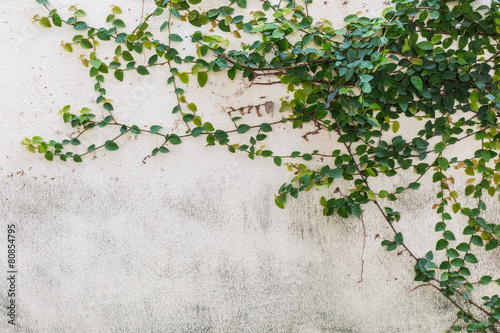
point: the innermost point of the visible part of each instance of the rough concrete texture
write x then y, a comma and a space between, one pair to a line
190, 241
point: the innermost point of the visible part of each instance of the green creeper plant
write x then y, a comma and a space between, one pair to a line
432, 63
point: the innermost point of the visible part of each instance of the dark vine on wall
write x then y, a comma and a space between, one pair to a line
434, 63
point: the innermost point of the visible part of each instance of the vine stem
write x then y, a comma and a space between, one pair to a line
363, 250
99, 147
365, 180
451, 300
455, 303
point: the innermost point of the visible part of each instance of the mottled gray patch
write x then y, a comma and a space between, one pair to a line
98, 259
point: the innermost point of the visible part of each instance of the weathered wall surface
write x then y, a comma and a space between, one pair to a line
190, 241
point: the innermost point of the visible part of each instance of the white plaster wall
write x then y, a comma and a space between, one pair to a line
190, 241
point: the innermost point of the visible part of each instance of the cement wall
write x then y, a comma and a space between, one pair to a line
190, 241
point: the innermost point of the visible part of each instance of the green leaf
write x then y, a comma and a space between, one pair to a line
476, 240
373, 121
226, 11
175, 38
152, 60
471, 258
231, 73
457, 262
221, 62
414, 186
464, 247
175, 12
279, 202
208, 127
367, 88
356, 211
80, 13
243, 128
395, 126
441, 244
417, 82
265, 127
350, 18
485, 280
371, 172
155, 128
110, 145
96, 63
452, 253
351, 55
127, 56
135, 129
449, 235
398, 238
68, 47
392, 246
80, 26
220, 135
142, 70
202, 78
56, 19
492, 244
426, 45
119, 74
174, 139
44, 22
86, 44
277, 160
361, 149
36, 139
119, 24
197, 121
443, 163
439, 147
469, 190
449, 101
116, 10
184, 77
278, 33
